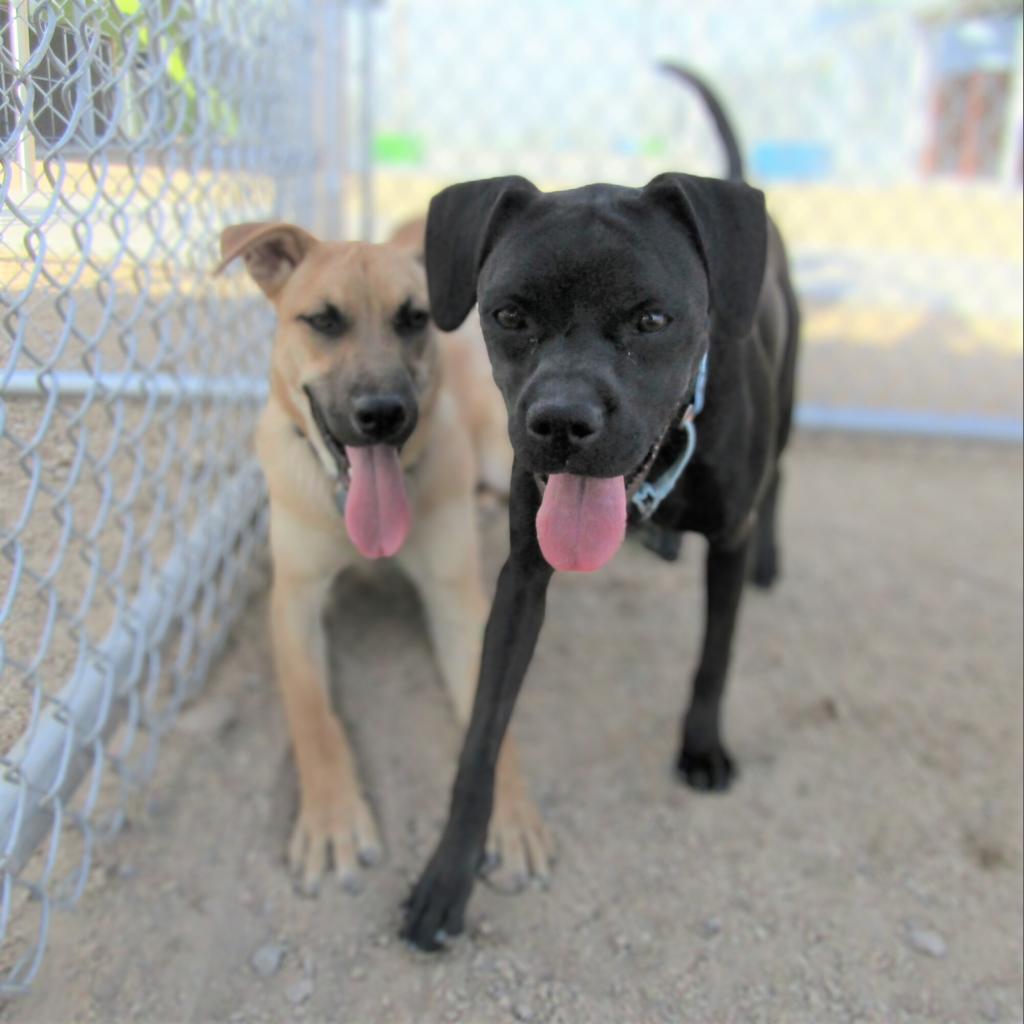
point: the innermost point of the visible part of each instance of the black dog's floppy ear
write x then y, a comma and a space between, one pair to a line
462, 225
731, 227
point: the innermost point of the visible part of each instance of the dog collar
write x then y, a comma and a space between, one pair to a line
340, 491
649, 495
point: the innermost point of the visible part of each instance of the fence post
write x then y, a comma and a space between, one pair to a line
25, 163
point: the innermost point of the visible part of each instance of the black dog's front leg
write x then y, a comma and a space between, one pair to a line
703, 761
438, 901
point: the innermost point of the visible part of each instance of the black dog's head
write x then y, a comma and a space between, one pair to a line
597, 305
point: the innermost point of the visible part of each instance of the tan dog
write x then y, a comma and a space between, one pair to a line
362, 417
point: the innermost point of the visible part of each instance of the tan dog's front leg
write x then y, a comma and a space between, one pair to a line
333, 822
446, 571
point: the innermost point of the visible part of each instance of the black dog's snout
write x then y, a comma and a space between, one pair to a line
569, 424
379, 417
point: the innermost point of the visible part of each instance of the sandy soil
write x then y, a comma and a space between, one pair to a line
866, 867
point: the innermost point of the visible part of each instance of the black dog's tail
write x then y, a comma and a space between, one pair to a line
733, 155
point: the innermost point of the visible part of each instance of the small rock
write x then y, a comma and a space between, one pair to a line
926, 941
994, 1004
521, 1011
357, 973
989, 1008
710, 927
506, 971
266, 961
159, 806
299, 991
916, 891
213, 716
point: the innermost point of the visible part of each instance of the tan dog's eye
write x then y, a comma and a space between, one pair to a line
329, 321
410, 319
510, 318
652, 321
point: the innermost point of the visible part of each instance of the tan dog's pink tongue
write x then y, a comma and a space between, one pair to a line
377, 513
582, 521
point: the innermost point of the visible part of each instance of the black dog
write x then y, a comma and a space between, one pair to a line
599, 306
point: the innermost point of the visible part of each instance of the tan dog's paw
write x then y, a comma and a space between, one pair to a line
519, 845
339, 833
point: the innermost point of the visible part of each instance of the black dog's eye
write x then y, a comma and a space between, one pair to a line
510, 318
329, 321
410, 319
652, 321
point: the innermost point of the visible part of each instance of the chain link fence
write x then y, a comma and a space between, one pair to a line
887, 137
132, 514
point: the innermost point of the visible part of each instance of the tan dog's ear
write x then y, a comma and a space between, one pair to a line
411, 235
271, 251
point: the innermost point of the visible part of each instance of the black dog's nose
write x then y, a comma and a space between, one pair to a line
573, 424
379, 417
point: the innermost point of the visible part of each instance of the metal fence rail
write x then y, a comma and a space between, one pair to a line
132, 515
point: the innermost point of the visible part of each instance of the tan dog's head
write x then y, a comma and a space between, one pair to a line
355, 359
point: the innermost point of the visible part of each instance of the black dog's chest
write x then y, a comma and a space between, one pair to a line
696, 505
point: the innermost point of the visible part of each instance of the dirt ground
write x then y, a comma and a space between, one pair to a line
866, 866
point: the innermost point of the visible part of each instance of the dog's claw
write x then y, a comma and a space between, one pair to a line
709, 772
351, 883
370, 856
491, 862
519, 847
342, 834
435, 909
308, 890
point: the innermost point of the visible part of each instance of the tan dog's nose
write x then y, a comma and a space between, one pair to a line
380, 418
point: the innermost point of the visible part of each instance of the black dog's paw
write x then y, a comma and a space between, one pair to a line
710, 771
435, 909
764, 571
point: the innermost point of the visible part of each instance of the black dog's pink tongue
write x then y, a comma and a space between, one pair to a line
582, 521
377, 513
